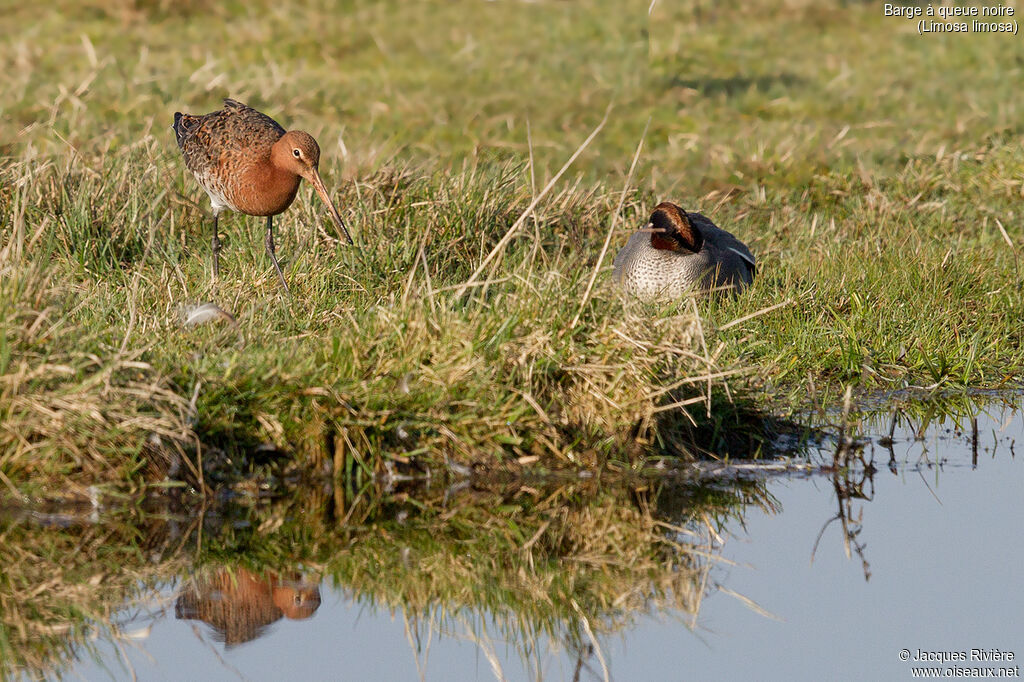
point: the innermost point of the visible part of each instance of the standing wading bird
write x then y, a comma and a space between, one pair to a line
248, 163
679, 252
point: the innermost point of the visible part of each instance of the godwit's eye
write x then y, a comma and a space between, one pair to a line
297, 153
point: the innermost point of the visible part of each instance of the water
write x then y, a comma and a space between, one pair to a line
922, 555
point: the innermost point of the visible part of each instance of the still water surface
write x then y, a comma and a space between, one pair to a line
935, 564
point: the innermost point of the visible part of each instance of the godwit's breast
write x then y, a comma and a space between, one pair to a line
259, 188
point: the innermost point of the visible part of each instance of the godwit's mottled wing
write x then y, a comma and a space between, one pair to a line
223, 143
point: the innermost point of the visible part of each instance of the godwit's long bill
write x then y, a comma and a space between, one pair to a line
248, 163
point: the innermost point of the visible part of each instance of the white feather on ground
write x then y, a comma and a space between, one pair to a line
206, 312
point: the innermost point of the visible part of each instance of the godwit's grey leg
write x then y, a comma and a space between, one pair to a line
270, 251
215, 244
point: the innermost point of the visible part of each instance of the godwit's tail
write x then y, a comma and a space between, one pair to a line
183, 125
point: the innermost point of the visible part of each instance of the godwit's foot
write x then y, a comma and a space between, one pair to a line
270, 252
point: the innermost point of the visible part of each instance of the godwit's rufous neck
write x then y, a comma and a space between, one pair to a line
672, 229
298, 153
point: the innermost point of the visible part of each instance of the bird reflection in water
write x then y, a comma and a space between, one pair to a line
239, 605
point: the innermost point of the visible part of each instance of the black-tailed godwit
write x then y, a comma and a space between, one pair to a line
248, 163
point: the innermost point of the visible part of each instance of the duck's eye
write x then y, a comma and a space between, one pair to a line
296, 153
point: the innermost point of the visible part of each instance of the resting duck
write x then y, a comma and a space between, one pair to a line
680, 252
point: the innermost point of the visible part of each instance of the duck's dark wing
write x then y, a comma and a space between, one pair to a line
724, 241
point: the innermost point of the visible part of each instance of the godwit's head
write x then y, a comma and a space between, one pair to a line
298, 153
297, 600
671, 230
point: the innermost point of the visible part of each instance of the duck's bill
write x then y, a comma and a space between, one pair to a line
318, 185
650, 228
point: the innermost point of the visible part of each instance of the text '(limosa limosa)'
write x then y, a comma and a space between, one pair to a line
248, 163
680, 252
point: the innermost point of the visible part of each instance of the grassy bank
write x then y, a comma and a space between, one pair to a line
377, 350
881, 193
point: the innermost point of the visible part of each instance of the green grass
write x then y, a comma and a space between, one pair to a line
869, 168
